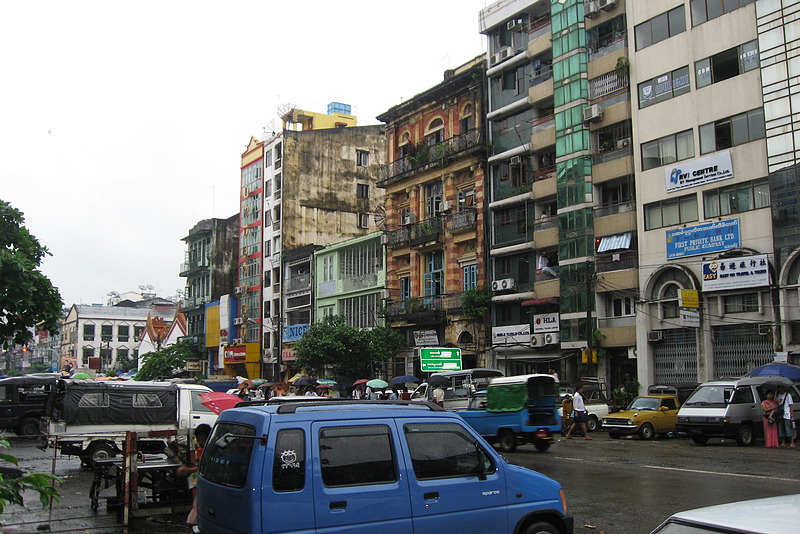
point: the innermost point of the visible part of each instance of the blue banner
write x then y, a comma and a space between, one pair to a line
704, 239
294, 332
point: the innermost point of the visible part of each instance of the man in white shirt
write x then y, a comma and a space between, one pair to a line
786, 430
438, 395
581, 414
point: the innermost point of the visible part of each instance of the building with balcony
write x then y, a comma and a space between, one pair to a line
562, 238
212, 251
434, 214
310, 185
716, 158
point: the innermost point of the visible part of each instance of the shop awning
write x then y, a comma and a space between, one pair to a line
537, 302
615, 242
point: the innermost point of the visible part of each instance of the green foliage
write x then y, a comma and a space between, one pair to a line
475, 305
622, 396
331, 346
11, 488
167, 362
27, 297
125, 363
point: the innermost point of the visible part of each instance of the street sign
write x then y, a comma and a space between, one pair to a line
689, 298
432, 360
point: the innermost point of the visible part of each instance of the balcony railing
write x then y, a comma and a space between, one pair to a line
423, 307
545, 223
298, 283
462, 220
617, 261
546, 274
543, 173
428, 155
399, 237
357, 283
616, 322
614, 209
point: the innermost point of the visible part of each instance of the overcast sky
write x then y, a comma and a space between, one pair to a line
122, 123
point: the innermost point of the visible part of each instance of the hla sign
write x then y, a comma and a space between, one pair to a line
432, 360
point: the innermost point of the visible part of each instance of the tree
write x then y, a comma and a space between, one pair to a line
166, 362
332, 345
27, 297
475, 310
13, 482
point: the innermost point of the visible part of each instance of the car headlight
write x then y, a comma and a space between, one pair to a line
630, 421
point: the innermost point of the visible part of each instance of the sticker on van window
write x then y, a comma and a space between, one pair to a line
289, 459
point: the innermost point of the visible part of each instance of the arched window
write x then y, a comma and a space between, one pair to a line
434, 134
405, 144
666, 290
467, 120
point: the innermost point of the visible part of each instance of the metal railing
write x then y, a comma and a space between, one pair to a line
462, 220
426, 155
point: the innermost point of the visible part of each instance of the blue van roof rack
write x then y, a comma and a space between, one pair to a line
291, 406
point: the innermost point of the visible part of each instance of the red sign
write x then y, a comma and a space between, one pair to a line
235, 354
94, 363
288, 355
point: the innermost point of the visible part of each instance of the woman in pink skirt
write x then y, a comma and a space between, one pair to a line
770, 423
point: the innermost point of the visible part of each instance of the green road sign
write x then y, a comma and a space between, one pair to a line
432, 360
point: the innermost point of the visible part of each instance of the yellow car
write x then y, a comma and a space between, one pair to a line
646, 416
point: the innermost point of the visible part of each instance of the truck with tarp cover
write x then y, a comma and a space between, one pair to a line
22, 403
90, 419
516, 409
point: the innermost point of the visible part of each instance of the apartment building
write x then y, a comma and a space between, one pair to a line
434, 214
562, 232
308, 186
716, 151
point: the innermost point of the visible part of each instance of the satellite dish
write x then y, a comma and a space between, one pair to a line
285, 108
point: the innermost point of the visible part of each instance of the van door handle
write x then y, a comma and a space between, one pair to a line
431, 496
195, 417
338, 506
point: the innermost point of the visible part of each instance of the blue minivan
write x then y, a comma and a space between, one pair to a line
354, 466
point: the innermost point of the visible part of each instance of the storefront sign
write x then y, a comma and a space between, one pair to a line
704, 239
690, 318
194, 366
736, 273
294, 332
699, 171
288, 355
426, 338
546, 322
235, 354
514, 334
689, 298
439, 359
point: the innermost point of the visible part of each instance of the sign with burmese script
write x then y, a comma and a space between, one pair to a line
698, 171
708, 238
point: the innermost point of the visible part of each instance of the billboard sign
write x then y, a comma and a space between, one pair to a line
736, 273
708, 238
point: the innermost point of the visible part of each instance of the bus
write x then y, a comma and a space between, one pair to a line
458, 386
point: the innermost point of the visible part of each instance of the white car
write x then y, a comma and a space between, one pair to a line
759, 516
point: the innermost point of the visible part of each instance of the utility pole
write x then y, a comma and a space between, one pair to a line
589, 274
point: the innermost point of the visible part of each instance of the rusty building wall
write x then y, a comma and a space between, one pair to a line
320, 183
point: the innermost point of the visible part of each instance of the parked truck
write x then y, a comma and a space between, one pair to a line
22, 403
90, 419
515, 410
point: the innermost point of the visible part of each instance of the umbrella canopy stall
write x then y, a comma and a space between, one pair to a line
792, 372
217, 401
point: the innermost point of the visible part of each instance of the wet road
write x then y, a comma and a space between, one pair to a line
630, 486
621, 486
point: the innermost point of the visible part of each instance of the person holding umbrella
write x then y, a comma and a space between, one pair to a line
786, 431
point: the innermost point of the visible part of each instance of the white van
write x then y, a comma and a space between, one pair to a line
458, 386
731, 408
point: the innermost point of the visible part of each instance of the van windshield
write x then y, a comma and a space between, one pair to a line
710, 395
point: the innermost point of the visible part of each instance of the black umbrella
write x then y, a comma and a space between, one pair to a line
305, 381
438, 380
403, 379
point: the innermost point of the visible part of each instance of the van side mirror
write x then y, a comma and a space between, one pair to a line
481, 462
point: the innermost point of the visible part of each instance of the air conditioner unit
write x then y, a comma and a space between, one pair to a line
410, 218
514, 25
237, 290
505, 284
764, 329
552, 338
607, 4
515, 160
494, 59
622, 143
445, 205
384, 239
505, 53
537, 340
591, 8
591, 113
238, 320
655, 335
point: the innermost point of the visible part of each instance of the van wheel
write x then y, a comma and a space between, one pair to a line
647, 432
541, 528
29, 427
507, 441
700, 440
745, 437
593, 424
